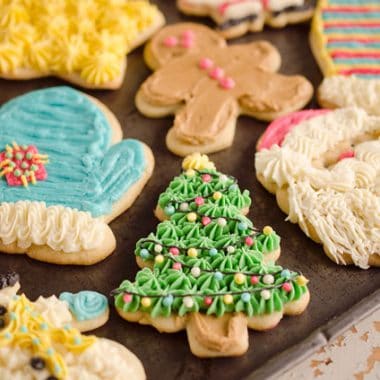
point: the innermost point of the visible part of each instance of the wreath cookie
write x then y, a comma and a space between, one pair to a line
208, 270
83, 42
65, 172
344, 40
207, 85
324, 167
237, 17
42, 339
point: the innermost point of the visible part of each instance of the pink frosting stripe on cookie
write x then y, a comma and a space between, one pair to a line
350, 54
359, 71
278, 129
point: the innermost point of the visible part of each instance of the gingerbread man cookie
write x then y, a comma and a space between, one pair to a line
237, 17
208, 84
208, 270
344, 40
324, 167
84, 42
65, 172
41, 339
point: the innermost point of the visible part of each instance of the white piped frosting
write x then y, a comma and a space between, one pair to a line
341, 202
61, 228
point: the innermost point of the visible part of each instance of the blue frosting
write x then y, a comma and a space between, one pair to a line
85, 172
85, 305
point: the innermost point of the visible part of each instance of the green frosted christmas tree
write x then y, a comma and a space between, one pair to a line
206, 269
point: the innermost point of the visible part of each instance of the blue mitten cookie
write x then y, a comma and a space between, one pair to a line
65, 172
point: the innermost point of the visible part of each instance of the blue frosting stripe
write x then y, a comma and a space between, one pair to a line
85, 172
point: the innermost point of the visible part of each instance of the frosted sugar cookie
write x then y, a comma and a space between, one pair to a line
324, 167
84, 42
65, 173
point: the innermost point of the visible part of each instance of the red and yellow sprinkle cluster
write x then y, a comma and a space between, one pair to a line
22, 165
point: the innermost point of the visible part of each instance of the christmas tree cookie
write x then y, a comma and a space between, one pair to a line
207, 270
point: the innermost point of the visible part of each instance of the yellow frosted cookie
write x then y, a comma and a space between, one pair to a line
40, 340
84, 42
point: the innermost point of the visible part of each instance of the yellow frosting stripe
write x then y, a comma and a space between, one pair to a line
89, 38
27, 329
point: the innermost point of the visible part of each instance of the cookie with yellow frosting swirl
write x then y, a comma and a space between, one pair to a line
41, 339
84, 42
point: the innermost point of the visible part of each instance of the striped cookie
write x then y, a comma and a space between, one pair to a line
345, 40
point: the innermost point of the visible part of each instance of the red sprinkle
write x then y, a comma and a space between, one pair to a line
174, 251
287, 287
347, 154
127, 298
206, 178
177, 266
171, 41
254, 280
206, 220
199, 201
249, 241
208, 301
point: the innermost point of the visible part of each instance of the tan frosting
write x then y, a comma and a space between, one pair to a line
209, 108
204, 39
341, 202
61, 228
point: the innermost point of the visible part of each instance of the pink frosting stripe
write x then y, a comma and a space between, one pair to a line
359, 71
278, 129
349, 54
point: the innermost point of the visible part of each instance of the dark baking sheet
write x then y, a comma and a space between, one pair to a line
334, 289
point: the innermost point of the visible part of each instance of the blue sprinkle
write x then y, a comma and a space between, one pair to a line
213, 252
35, 341
50, 351
285, 273
218, 276
245, 297
57, 369
169, 210
67, 327
242, 226
44, 326
144, 253
233, 187
23, 329
168, 300
15, 298
12, 316
8, 335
